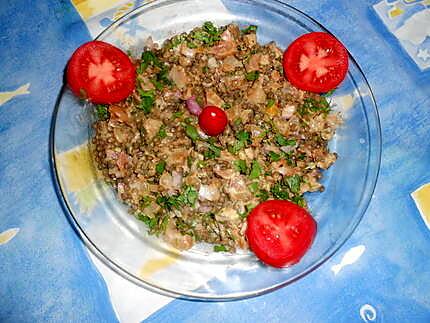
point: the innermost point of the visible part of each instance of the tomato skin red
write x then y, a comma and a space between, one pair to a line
316, 62
101, 73
280, 232
212, 120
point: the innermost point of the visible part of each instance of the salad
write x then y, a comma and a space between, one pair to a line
213, 137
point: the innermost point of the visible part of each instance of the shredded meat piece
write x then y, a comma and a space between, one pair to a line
178, 75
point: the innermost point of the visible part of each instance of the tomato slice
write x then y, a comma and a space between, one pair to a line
101, 73
280, 232
316, 62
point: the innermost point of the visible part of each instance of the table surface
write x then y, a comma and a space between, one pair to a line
381, 274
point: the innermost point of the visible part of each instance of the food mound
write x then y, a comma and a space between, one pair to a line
189, 187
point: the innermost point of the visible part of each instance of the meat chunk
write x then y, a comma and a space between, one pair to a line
152, 126
256, 93
178, 75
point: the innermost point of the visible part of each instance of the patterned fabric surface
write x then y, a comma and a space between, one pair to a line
381, 274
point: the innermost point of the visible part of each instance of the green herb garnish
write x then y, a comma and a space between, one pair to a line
250, 29
274, 156
148, 58
313, 105
282, 141
263, 195
280, 191
163, 77
253, 187
329, 93
151, 223
220, 248
299, 200
102, 111
177, 114
176, 40
255, 170
293, 183
252, 76
243, 140
147, 100
162, 132
191, 195
212, 152
145, 202
240, 166
226, 106
191, 132
270, 103
208, 35
160, 167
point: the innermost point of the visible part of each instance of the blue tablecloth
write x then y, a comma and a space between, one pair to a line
46, 274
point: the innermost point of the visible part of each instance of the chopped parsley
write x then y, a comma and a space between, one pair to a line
313, 105
288, 189
226, 106
280, 191
212, 152
263, 195
148, 58
237, 122
253, 187
151, 223
102, 111
162, 132
208, 35
176, 41
190, 195
145, 202
270, 103
282, 141
255, 170
243, 140
274, 156
187, 197
329, 93
147, 100
191, 132
160, 167
220, 248
299, 200
252, 76
162, 76
293, 183
177, 114
250, 29
240, 166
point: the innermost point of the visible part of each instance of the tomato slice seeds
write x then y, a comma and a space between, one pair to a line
280, 232
316, 62
101, 73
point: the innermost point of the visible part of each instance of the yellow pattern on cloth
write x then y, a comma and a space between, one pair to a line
76, 167
8, 235
80, 176
395, 12
90, 8
155, 265
421, 197
6, 96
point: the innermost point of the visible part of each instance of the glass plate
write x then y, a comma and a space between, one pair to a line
123, 243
